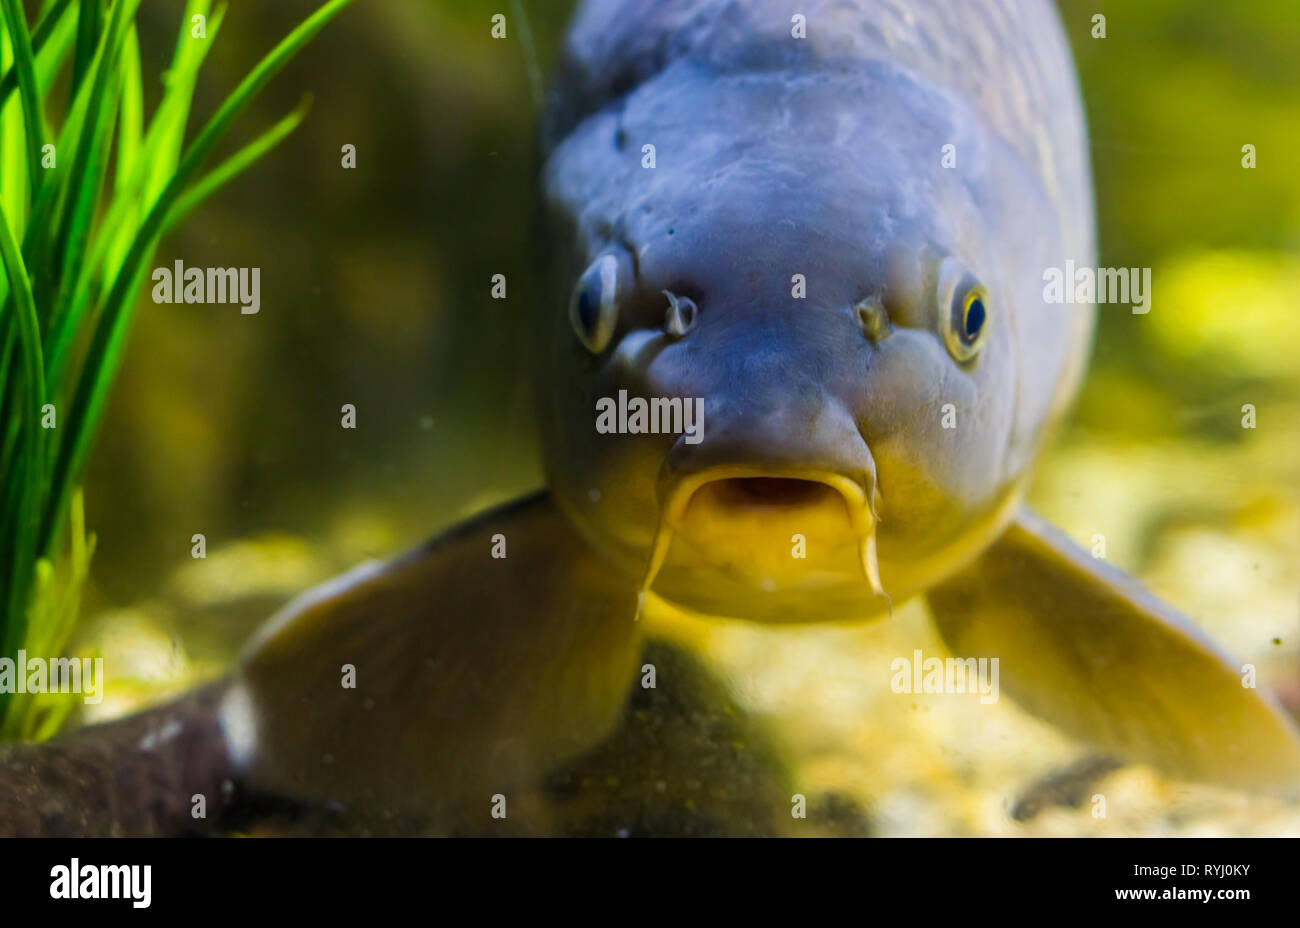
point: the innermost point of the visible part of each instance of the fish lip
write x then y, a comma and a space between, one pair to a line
682, 474
676, 492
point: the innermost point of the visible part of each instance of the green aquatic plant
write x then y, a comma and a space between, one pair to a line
88, 187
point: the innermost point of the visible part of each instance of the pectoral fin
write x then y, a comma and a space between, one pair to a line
471, 674
1083, 646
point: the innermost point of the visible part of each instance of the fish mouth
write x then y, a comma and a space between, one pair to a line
767, 494
748, 494
726, 508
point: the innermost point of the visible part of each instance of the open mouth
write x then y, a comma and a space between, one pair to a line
727, 513
774, 493
736, 499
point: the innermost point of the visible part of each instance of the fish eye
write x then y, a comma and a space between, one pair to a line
965, 324
593, 308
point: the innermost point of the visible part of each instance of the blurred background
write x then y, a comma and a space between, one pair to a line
375, 292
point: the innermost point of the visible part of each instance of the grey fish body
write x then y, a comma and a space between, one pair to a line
824, 412
824, 157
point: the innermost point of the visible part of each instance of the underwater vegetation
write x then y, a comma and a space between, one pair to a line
89, 183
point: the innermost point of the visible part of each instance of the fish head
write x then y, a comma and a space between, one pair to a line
858, 329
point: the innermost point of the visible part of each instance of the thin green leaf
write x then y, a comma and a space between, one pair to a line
29, 510
78, 240
161, 149
42, 228
40, 35
235, 165
132, 111
157, 157
90, 162
180, 80
90, 23
25, 66
106, 347
13, 157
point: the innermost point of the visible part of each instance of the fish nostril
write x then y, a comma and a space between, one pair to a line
873, 319
681, 315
